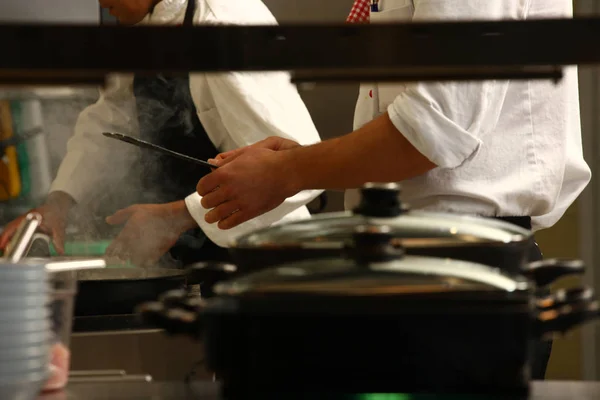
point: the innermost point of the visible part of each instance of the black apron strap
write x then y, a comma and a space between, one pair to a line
523, 222
190, 10
542, 349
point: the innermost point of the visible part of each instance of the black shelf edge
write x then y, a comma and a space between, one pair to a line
71, 53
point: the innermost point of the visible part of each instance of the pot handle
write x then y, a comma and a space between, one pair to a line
546, 272
564, 317
565, 297
179, 298
207, 274
173, 320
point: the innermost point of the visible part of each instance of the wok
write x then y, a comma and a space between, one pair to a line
119, 290
116, 290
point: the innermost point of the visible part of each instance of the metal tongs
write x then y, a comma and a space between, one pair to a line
23, 237
21, 242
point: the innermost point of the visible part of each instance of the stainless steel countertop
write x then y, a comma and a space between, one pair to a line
209, 391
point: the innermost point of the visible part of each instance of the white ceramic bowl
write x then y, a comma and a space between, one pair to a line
24, 300
33, 376
23, 288
8, 341
25, 352
24, 366
21, 272
25, 390
24, 314
24, 326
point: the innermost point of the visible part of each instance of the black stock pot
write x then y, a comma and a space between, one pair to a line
377, 320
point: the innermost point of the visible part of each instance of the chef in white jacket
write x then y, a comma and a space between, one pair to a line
196, 114
502, 149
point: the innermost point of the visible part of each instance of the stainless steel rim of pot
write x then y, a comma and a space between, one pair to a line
342, 277
121, 274
413, 228
381, 205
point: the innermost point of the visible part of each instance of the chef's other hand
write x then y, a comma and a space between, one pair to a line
54, 214
275, 143
253, 183
150, 231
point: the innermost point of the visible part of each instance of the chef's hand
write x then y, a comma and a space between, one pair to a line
275, 143
150, 231
54, 214
249, 182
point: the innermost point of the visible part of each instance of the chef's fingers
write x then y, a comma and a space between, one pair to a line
113, 249
128, 245
235, 219
9, 231
58, 239
139, 258
219, 162
271, 143
216, 197
221, 212
230, 155
209, 182
117, 248
121, 216
116, 252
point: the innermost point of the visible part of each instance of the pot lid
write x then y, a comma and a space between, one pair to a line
380, 206
375, 269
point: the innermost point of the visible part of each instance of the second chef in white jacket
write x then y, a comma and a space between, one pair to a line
196, 114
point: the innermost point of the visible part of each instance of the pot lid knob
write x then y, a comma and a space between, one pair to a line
374, 244
380, 200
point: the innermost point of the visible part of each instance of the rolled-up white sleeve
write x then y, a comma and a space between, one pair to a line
92, 161
444, 121
249, 107
424, 115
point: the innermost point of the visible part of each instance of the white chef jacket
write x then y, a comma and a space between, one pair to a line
503, 148
236, 109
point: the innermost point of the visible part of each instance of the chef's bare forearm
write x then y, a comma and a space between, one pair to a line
60, 200
181, 217
377, 152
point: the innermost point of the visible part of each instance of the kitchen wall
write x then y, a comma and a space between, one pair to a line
61, 11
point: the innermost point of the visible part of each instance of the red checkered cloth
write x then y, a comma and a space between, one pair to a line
360, 12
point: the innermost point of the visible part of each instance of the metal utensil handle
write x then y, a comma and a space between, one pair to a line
21, 241
110, 379
152, 146
96, 373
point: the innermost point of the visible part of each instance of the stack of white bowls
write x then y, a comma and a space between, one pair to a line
25, 330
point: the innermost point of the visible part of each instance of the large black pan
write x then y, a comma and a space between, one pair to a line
379, 322
113, 291
117, 291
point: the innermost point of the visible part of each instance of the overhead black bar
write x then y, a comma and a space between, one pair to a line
469, 47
